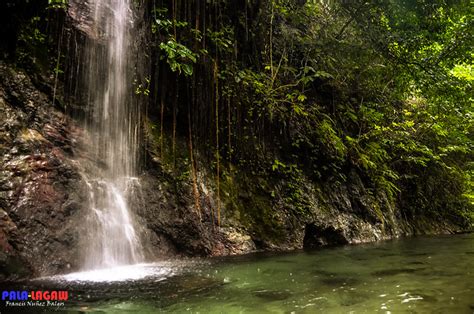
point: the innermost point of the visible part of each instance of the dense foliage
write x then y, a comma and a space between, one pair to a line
318, 89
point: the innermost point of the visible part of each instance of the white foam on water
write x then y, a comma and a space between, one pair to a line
119, 273
412, 299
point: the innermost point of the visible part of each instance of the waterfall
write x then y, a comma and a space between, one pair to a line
112, 236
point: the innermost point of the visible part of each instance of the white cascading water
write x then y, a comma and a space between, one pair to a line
112, 236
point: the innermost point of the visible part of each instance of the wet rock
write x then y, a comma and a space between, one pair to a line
37, 181
237, 242
80, 14
317, 236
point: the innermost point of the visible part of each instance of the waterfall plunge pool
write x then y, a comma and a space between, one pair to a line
414, 275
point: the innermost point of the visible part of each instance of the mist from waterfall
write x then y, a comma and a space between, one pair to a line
112, 238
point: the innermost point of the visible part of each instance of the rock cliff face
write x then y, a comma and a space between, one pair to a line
43, 196
41, 189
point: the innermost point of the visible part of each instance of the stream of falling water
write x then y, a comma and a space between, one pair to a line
112, 236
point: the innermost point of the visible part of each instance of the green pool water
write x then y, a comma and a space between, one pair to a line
415, 275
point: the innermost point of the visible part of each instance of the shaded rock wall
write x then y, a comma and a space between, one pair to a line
254, 212
41, 190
